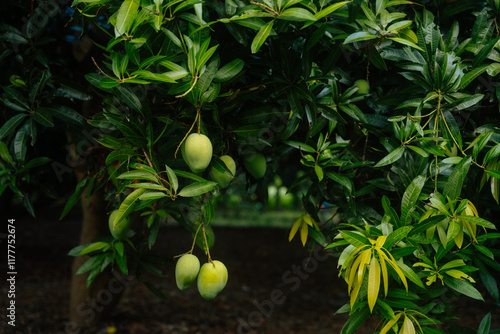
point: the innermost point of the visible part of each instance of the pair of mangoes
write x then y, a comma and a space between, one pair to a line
197, 153
211, 277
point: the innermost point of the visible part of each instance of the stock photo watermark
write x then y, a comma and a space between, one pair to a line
292, 279
89, 309
11, 272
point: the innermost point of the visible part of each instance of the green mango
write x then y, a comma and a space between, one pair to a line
186, 270
363, 86
224, 178
256, 165
197, 152
212, 279
119, 231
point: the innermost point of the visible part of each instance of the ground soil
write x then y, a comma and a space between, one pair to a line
274, 287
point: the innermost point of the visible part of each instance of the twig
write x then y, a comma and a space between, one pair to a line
190, 89
187, 134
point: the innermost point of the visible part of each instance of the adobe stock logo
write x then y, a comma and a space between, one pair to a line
292, 278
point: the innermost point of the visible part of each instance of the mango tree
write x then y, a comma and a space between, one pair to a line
389, 109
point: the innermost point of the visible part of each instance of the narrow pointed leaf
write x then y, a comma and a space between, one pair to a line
373, 283
453, 186
410, 198
126, 16
127, 206
392, 157
261, 36
478, 221
462, 287
197, 188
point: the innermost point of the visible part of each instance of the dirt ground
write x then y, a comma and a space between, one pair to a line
274, 287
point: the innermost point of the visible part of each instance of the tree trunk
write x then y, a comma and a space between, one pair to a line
89, 305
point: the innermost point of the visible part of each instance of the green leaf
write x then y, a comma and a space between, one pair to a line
188, 175
462, 287
297, 14
330, 9
37, 86
397, 236
418, 150
410, 274
44, 117
67, 114
172, 178
119, 248
453, 229
469, 101
319, 172
343, 180
75, 251
453, 186
484, 52
355, 320
300, 146
5, 154
120, 155
485, 325
151, 195
75, 197
90, 264
452, 128
197, 188
96, 246
121, 261
11, 125
126, 95
478, 221
126, 16
405, 42
410, 198
493, 153
13, 38
471, 75
138, 175
73, 93
392, 157
229, 71
488, 280
127, 206
147, 185
20, 144
359, 36
261, 36
15, 100
355, 239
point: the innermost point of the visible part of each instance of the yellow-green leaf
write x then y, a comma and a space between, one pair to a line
390, 324
408, 327
380, 241
351, 272
304, 230
385, 274
354, 294
460, 275
459, 238
294, 229
308, 220
392, 262
365, 260
373, 283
